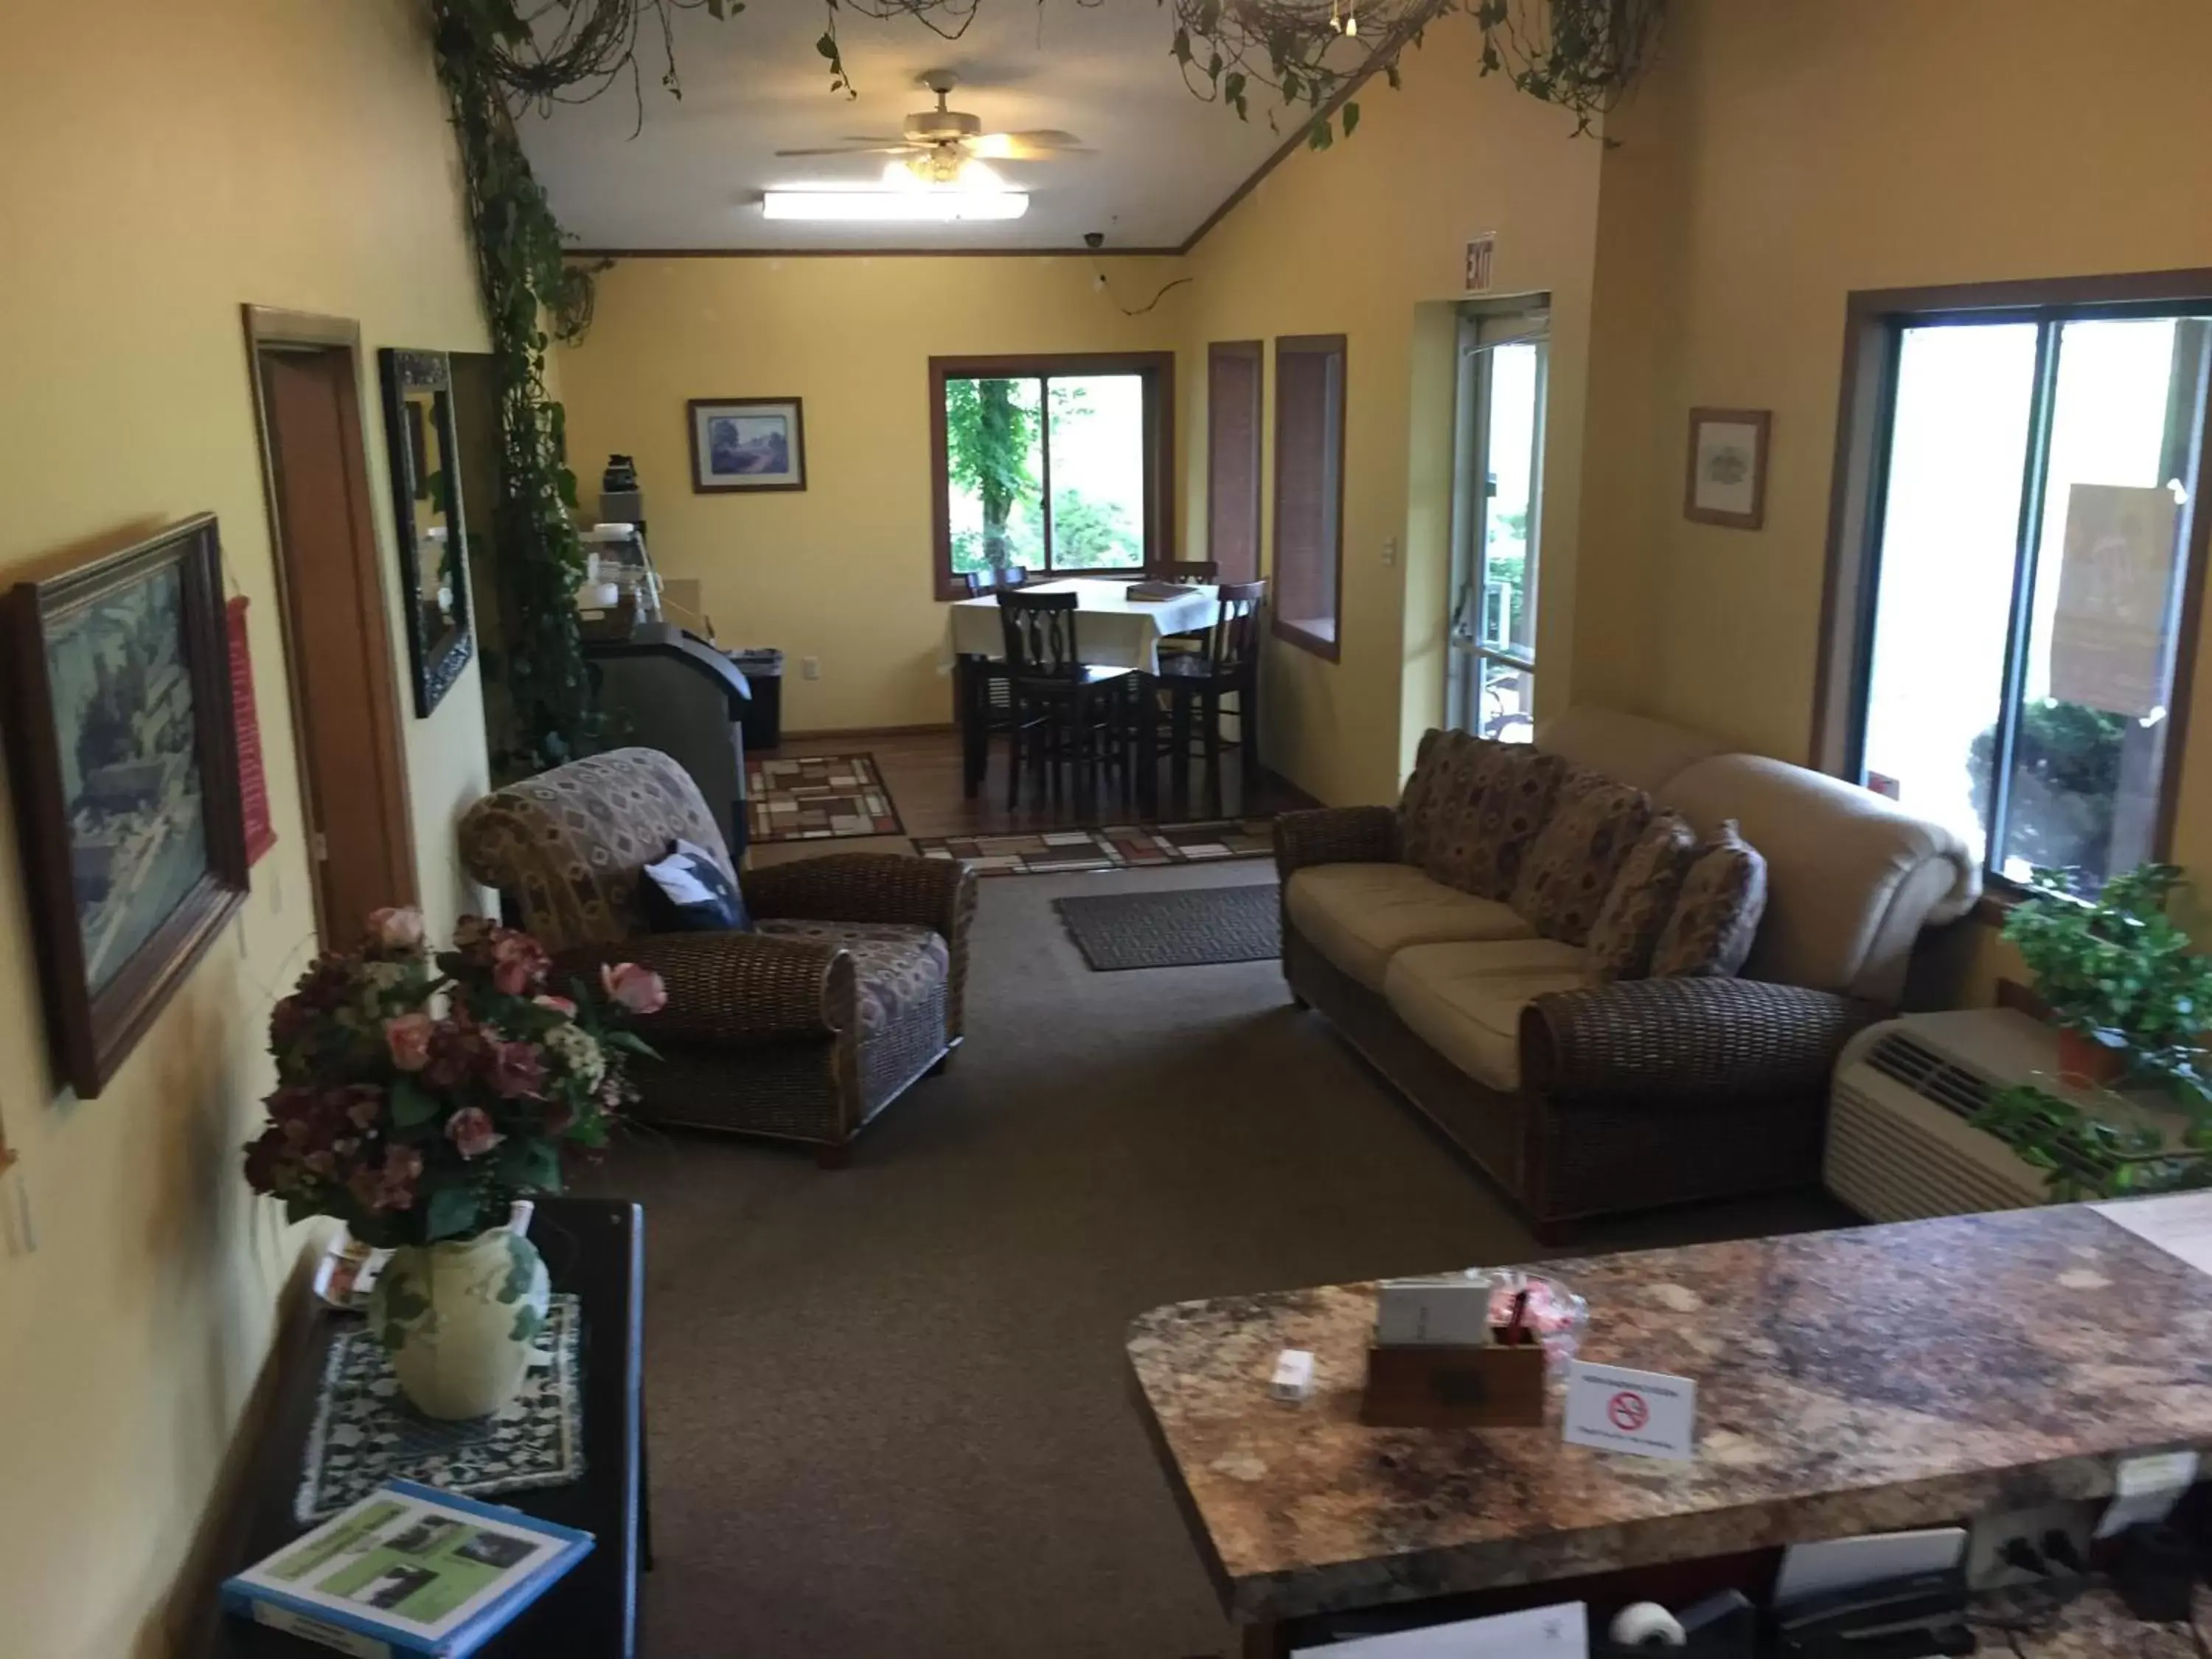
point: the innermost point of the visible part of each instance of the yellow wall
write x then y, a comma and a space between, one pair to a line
840, 570
163, 164
1368, 239
1785, 155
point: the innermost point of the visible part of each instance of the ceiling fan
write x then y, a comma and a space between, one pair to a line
947, 146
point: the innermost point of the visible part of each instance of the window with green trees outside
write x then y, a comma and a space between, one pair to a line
1053, 463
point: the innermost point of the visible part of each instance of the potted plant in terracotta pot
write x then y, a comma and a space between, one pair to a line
418, 1095
2129, 993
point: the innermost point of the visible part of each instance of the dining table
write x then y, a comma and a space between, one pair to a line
1114, 628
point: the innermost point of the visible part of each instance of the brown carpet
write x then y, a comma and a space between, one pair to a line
888, 1406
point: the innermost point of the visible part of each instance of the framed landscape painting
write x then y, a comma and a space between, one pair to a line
124, 757
747, 443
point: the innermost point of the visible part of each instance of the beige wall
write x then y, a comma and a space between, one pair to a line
1785, 155
162, 166
840, 570
1368, 239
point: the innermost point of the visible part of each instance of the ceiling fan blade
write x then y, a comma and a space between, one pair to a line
886, 147
1026, 146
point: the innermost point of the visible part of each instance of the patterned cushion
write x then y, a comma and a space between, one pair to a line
1717, 917
1642, 896
896, 966
1445, 788
1567, 873
568, 843
1480, 852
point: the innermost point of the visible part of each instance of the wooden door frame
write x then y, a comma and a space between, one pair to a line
272, 329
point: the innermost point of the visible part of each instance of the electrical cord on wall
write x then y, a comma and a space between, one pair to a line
1100, 283
1095, 239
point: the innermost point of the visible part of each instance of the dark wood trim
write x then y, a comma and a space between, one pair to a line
1846, 590
2037, 293
272, 329
1761, 420
928, 728
1158, 368
1874, 321
1256, 353
2190, 623
1282, 152
1331, 649
92, 1030
692, 409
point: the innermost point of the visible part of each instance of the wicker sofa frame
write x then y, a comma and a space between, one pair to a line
1644, 1093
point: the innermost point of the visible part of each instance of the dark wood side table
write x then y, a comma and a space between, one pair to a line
596, 1250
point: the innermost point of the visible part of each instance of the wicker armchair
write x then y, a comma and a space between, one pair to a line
850, 989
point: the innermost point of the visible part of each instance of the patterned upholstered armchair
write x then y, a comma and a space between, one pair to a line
847, 991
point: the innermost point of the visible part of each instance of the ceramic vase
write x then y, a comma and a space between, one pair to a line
460, 1318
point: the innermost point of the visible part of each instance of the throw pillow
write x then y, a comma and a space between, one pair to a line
1459, 764
1414, 820
686, 890
1482, 845
1717, 917
1571, 867
1635, 910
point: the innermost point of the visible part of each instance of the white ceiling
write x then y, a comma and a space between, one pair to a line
692, 177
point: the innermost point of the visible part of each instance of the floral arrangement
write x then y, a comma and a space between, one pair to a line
418, 1094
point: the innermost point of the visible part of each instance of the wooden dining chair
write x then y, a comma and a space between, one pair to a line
1189, 570
1064, 712
1195, 683
988, 708
991, 578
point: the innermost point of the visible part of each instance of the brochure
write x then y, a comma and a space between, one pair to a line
408, 1569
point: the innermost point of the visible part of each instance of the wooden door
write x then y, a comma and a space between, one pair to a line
337, 643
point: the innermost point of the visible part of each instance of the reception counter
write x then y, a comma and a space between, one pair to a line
1857, 1381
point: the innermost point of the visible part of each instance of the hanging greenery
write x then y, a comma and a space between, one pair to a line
496, 57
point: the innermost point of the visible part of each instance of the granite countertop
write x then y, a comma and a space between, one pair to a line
1849, 1382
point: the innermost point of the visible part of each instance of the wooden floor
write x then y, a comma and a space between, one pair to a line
922, 771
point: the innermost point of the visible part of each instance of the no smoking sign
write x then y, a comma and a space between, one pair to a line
1647, 1412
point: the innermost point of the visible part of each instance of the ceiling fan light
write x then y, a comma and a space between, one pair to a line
906, 206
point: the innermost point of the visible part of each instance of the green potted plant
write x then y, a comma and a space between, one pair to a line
418, 1095
2129, 993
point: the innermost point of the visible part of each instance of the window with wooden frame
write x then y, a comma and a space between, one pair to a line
1309, 551
1235, 370
1055, 464
2015, 562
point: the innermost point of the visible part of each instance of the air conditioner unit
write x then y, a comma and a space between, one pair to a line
1900, 1147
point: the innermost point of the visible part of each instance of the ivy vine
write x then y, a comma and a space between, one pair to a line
496, 57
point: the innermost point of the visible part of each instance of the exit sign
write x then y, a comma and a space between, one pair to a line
1480, 251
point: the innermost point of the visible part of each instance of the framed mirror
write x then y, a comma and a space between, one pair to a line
426, 491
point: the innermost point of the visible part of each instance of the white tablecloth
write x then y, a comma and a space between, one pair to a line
1112, 630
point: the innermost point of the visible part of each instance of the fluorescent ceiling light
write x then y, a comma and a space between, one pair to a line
909, 206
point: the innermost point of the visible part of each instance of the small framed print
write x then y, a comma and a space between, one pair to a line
1727, 478
747, 443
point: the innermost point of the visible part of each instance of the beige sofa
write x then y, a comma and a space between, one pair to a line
1581, 1098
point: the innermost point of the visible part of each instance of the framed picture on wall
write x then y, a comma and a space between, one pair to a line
747, 443
125, 756
1727, 476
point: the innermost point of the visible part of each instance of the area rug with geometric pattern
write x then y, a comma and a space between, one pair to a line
818, 797
1110, 847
